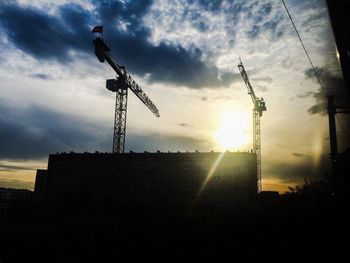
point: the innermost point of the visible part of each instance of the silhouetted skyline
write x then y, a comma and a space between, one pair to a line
185, 56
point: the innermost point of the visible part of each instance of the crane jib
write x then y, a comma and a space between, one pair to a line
102, 52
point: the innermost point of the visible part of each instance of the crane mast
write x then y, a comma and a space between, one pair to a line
120, 86
259, 107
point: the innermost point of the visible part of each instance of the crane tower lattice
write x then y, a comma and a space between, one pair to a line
120, 85
259, 107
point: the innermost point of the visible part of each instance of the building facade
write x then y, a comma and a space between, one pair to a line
179, 179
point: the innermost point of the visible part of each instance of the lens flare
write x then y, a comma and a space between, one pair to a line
233, 132
209, 175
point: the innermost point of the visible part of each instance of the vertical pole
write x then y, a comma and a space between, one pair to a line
120, 120
257, 147
331, 109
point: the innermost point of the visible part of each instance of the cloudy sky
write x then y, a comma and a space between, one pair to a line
184, 54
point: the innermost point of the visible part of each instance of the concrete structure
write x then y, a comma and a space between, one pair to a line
178, 179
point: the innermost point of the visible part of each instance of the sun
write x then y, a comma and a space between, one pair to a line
233, 132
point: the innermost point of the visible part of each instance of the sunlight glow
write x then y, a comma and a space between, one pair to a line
210, 174
233, 132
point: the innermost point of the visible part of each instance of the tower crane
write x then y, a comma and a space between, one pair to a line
120, 86
259, 107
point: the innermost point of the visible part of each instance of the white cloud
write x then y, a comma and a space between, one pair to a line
51, 7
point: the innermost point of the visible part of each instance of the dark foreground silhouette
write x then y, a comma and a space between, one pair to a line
308, 222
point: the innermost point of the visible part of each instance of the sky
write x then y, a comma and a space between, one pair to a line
184, 55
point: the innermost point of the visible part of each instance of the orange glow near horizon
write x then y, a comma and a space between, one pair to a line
271, 184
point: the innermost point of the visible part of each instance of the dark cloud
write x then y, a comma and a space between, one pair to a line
332, 84
195, 17
310, 4
221, 97
7, 167
209, 5
188, 126
41, 76
317, 17
176, 66
305, 95
45, 36
231, 43
232, 18
262, 12
263, 22
265, 9
254, 32
296, 154
34, 132
164, 63
202, 26
297, 173
320, 108
272, 26
48, 37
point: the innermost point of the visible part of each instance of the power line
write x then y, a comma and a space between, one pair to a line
302, 43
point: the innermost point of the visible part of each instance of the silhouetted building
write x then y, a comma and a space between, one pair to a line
8, 195
13, 194
40, 183
343, 170
150, 178
269, 195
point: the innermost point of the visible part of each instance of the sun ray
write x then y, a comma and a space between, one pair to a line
208, 177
